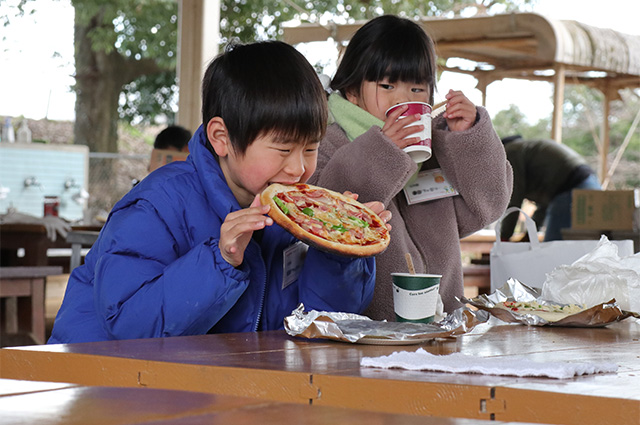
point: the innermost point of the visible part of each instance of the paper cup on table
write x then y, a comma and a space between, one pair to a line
420, 151
415, 296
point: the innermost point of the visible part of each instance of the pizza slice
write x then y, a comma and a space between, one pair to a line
326, 219
548, 312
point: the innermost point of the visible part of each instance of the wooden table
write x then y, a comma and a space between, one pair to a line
274, 366
42, 403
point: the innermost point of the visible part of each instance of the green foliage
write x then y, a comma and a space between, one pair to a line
135, 29
512, 121
148, 97
254, 20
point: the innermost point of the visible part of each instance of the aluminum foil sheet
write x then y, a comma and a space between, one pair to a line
354, 328
514, 290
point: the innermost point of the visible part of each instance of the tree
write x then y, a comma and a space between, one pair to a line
117, 42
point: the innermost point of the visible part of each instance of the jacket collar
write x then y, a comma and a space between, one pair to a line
218, 193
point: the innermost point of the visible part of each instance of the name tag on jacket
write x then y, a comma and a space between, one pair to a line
427, 186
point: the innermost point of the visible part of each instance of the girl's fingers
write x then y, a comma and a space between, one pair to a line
394, 115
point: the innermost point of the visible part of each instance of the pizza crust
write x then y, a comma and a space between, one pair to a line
266, 198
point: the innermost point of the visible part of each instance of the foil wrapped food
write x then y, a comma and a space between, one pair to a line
515, 291
355, 328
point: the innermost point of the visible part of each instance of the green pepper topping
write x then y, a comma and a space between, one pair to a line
339, 227
281, 204
359, 221
308, 211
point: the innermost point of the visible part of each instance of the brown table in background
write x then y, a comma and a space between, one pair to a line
478, 273
33, 238
43, 403
274, 366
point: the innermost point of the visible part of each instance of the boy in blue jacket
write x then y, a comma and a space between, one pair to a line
190, 250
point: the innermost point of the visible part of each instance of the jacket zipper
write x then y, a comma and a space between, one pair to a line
264, 291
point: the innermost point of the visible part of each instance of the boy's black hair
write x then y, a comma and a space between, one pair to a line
173, 136
387, 46
262, 88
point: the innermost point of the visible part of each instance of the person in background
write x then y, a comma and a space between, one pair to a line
171, 144
189, 250
545, 172
363, 151
174, 138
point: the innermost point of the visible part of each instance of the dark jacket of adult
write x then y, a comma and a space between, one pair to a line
541, 170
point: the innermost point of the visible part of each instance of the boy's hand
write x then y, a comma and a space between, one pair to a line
460, 113
397, 129
375, 206
237, 229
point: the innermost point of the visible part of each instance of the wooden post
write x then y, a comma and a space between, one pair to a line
198, 38
483, 82
558, 101
604, 134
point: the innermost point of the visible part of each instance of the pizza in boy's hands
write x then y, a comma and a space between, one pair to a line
328, 220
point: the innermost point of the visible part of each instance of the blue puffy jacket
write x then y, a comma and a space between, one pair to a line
156, 269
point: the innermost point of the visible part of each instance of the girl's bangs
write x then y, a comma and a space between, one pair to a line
408, 62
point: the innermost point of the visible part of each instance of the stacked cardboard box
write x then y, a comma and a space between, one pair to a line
606, 209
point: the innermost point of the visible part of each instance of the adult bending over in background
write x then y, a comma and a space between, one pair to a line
545, 172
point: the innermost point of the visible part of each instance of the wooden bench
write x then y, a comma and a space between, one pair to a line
22, 294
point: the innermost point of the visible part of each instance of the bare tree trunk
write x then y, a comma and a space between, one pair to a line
98, 85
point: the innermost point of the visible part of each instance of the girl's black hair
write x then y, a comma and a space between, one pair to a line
262, 88
391, 47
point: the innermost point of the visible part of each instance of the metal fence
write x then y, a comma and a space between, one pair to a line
111, 176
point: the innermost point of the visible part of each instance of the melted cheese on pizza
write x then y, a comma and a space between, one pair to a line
330, 218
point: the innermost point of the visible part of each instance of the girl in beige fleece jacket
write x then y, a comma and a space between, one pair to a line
391, 60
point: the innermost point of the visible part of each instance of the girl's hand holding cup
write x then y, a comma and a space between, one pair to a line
399, 130
408, 125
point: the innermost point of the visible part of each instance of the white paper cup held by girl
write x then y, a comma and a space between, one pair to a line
420, 151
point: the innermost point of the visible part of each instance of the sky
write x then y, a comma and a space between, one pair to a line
36, 70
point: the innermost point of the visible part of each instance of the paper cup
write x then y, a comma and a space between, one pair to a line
415, 296
420, 151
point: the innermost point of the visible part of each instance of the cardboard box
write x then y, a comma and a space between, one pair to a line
160, 157
606, 209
